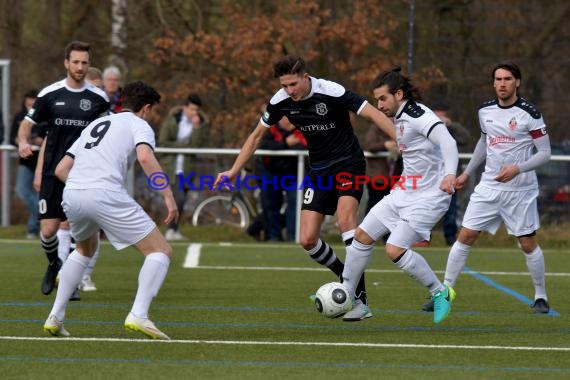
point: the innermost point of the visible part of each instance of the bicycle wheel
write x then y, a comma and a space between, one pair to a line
221, 210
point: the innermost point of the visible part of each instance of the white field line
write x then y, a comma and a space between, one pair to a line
193, 254
273, 343
192, 258
318, 269
296, 246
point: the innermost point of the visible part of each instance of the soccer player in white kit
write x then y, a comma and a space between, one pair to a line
416, 203
511, 130
95, 197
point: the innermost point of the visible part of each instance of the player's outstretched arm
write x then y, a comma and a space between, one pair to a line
149, 163
247, 150
382, 121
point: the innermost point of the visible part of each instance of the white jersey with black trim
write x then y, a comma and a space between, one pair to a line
105, 150
509, 135
423, 161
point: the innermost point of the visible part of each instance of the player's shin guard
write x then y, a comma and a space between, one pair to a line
151, 277
323, 254
64, 238
357, 258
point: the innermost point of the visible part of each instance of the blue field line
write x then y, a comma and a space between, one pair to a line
253, 309
299, 326
283, 364
504, 289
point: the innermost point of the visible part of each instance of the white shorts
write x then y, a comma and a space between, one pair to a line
488, 208
419, 211
121, 218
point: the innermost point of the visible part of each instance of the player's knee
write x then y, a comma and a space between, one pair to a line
48, 231
308, 242
167, 250
528, 244
467, 236
363, 237
393, 251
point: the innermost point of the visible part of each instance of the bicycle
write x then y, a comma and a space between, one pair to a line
235, 209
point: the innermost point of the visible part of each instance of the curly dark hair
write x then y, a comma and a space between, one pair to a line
395, 81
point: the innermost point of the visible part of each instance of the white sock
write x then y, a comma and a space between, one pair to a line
151, 277
64, 237
455, 262
92, 262
535, 265
417, 268
348, 237
356, 261
69, 277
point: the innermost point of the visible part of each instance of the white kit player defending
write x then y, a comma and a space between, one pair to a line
512, 129
95, 197
415, 205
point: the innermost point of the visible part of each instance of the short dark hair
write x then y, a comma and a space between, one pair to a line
510, 67
194, 99
76, 46
138, 94
397, 81
290, 64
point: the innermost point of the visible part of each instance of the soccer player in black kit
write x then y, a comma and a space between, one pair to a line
67, 106
320, 110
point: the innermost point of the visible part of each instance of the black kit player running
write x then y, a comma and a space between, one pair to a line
320, 109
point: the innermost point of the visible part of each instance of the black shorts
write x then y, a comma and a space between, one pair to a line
322, 191
51, 192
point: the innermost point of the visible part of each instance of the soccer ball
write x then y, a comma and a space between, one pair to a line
333, 300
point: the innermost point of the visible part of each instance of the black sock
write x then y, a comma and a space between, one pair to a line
50, 247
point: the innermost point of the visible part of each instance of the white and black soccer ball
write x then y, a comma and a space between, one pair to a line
333, 300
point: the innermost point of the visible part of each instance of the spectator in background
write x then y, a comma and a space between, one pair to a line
27, 166
282, 135
112, 87
95, 77
461, 136
184, 127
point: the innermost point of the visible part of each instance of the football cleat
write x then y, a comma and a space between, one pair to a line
428, 306
75, 296
48, 282
87, 285
442, 301
145, 326
359, 312
540, 306
55, 327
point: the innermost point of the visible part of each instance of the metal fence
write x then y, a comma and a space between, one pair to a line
554, 179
